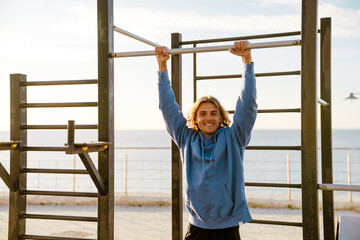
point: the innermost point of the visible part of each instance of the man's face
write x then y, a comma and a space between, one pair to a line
208, 118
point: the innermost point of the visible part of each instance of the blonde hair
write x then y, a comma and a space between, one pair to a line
224, 119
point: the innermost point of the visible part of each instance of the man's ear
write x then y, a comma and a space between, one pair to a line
195, 120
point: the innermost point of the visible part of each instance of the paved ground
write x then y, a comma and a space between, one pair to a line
148, 223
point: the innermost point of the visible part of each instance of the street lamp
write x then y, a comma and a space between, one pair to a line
351, 97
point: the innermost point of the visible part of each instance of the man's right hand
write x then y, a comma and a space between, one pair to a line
162, 56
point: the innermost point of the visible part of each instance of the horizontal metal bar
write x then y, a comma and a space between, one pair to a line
53, 105
214, 40
143, 148
50, 237
322, 102
44, 149
61, 82
59, 217
278, 185
59, 127
209, 49
288, 110
339, 187
270, 74
59, 171
59, 193
273, 148
293, 224
129, 34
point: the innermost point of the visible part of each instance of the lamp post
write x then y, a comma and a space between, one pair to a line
351, 97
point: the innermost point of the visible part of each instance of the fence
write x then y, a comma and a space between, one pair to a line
144, 171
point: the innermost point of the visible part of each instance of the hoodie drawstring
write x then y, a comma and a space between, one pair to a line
213, 150
203, 151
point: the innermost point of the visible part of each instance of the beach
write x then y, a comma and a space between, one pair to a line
150, 222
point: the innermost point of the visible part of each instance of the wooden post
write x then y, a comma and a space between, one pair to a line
176, 167
310, 208
106, 117
18, 158
326, 127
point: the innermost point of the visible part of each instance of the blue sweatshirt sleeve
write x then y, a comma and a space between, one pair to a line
246, 108
174, 119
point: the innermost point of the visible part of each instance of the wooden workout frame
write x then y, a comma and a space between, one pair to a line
103, 177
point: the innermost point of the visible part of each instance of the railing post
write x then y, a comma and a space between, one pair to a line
349, 175
288, 174
125, 170
176, 167
310, 204
18, 158
326, 128
74, 165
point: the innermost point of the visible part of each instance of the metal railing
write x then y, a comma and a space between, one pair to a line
138, 173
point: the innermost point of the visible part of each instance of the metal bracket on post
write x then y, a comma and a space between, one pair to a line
83, 149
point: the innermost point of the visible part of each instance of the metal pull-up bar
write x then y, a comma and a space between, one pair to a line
287, 43
129, 34
209, 49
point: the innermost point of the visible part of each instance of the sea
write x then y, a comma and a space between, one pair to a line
143, 162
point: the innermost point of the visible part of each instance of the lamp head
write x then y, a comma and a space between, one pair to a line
351, 97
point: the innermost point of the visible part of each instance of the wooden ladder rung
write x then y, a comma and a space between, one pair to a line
59, 193
59, 217
60, 171
51, 237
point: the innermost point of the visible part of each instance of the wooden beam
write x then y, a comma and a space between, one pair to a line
18, 157
9, 145
94, 174
9, 181
105, 20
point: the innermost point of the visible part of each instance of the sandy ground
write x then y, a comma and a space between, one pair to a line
149, 222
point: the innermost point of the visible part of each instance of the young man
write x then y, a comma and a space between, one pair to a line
212, 153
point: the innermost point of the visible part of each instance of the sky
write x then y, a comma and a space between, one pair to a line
57, 40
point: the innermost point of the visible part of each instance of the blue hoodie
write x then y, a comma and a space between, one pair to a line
213, 166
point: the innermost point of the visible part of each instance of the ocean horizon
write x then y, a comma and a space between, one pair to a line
149, 170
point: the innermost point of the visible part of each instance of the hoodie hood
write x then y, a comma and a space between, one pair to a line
208, 145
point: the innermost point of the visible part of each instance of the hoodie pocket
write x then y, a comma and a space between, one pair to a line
209, 202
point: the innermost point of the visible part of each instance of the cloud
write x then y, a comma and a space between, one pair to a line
346, 22
191, 21
271, 3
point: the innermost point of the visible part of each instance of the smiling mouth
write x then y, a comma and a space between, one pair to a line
209, 124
